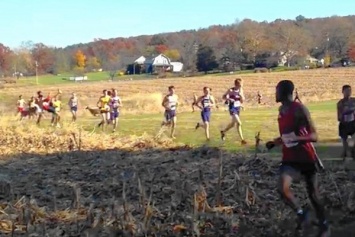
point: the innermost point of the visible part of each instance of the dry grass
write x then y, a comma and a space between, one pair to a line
145, 95
70, 182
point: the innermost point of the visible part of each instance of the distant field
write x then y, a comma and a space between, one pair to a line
144, 96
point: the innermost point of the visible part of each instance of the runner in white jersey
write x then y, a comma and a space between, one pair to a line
170, 103
207, 101
115, 103
73, 106
235, 98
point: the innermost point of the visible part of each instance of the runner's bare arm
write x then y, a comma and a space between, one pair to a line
198, 101
303, 119
177, 102
225, 95
119, 101
241, 93
339, 111
164, 102
213, 101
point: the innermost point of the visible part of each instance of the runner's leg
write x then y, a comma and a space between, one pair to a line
239, 128
313, 194
287, 175
173, 126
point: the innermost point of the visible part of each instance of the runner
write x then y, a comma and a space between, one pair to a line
235, 98
73, 106
33, 108
56, 105
299, 158
297, 98
207, 102
346, 119
45, 104
104, 107
20, 105
115, 103
170, 103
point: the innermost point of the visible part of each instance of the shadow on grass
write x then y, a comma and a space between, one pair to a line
171, 176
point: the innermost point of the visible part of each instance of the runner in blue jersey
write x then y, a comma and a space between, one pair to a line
170, 103
207, 101
235, 98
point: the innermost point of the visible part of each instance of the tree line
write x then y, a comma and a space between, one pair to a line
246, 42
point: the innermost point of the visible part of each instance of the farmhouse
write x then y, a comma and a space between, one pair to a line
156, 63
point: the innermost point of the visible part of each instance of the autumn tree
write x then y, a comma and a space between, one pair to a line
62, 62
351, 52
157, 40
252, 39
5, 59
113, 67
188, 52
44, 57
80, 59
206, 60
92, 64
161, 48
338, 33
173, 54
289, 39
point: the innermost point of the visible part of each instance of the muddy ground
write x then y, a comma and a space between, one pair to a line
150, 190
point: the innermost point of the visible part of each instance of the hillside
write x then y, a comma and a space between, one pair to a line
225, 47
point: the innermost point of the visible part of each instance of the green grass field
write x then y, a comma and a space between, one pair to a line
64, 78
254, 120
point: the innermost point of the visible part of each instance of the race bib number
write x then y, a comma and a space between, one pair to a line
289, 139
237, 103
349, 117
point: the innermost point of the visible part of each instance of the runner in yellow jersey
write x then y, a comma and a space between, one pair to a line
56, 104
104, 107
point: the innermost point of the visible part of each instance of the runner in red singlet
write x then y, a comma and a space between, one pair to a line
299, 159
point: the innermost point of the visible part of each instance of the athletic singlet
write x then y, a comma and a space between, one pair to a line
114, 103
104, 101
73, 102
206, 103
234, 98
56, 105
21, 103
294, 151
348, 112
172, 101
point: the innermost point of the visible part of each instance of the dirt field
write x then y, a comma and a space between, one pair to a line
68, 182
145, 95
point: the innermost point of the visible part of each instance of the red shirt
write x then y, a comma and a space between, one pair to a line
300, 152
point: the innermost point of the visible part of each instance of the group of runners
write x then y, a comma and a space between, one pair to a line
234, 98
108, 107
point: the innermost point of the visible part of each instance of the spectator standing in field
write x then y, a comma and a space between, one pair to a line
235, 98
346, 119
170, 103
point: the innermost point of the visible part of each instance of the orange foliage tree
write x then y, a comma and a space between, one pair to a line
80, 59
